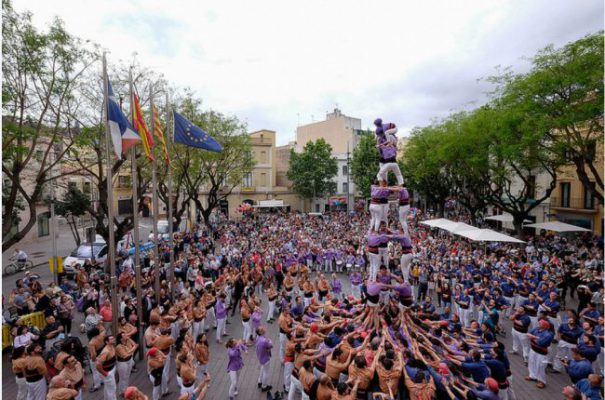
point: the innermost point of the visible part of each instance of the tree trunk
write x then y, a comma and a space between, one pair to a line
518, 219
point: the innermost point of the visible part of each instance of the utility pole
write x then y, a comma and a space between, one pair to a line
348, 179
53, 221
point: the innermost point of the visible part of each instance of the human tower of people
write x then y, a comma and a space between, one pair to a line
382, 338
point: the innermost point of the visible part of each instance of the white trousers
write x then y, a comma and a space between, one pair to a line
282, 346
233, 385
511, 302
166, 373
465, 316
220, 327
97, 378
124, 369
210, 313
520, 339
374, 265
404, 263
537, 366
563, 350
271, 313
384, 170
196, 328
21, 388
199, 372
157, 389
247, 331
296, 386
264, 373
288, 367
356, 291
109, 385
378, 213
403, 219
36, 390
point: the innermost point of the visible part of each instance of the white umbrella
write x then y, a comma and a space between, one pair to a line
488, 235
503, 218
557, 226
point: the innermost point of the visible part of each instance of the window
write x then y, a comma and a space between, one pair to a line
345, 187
345, 170
86, 188
43, 224
263, 179
247, 180
565, 193
588, 196
531, 187
263, 157
591, 151
316, 207
72, 185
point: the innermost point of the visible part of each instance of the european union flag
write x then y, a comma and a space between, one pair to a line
190, 135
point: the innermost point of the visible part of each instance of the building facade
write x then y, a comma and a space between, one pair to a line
572, 202
341, 132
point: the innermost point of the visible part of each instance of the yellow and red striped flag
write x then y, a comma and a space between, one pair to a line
139, 124
157, 132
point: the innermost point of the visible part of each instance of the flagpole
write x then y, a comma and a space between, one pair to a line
170, 222
109, 176
135, 221
155, 208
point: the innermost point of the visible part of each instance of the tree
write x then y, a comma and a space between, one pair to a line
423, 169
40, 72
312, 171
210, 173
564, 91
74, 205
365, 163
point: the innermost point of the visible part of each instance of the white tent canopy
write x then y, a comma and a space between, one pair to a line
457, 227
557, 226
437, 223
503, 218
488, 235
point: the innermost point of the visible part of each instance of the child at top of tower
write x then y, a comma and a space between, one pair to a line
387, 147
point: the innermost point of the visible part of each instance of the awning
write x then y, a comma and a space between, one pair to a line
557, 226
270, 203
488, 235
448, 225
436, 223
503, 218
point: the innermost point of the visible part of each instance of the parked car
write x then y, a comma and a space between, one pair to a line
163, 231
98, 250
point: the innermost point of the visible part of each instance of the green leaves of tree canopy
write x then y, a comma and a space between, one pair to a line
364, 163
312, 171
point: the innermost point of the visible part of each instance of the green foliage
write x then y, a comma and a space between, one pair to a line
74, 203
364, 163
312, 171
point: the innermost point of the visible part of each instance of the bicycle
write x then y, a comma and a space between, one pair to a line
16, 266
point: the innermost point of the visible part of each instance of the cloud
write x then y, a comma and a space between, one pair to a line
275, 63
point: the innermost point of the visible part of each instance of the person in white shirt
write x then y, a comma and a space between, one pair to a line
24, 337
20, 256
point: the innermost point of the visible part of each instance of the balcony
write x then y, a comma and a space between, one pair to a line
247, 189
579, 204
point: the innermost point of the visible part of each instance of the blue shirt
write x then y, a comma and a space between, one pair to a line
593, 393
478, 370
590, 352
578, 370
545, 337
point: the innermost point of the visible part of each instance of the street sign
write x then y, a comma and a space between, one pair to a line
59, 264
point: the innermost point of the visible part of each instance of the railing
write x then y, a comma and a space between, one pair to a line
578, 203
36, 319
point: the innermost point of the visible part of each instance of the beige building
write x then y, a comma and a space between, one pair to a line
260, 187
338, 130
572, 203
342, 133
282, 154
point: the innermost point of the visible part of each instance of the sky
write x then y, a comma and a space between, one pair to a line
280, 64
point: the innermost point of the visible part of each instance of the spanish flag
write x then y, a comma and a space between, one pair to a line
139, 124
157, 132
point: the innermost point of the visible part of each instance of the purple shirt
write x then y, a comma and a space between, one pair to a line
355, 278
374, 288
380, 192
404, 195
263, 349
235, 358
336, 286
220, 310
